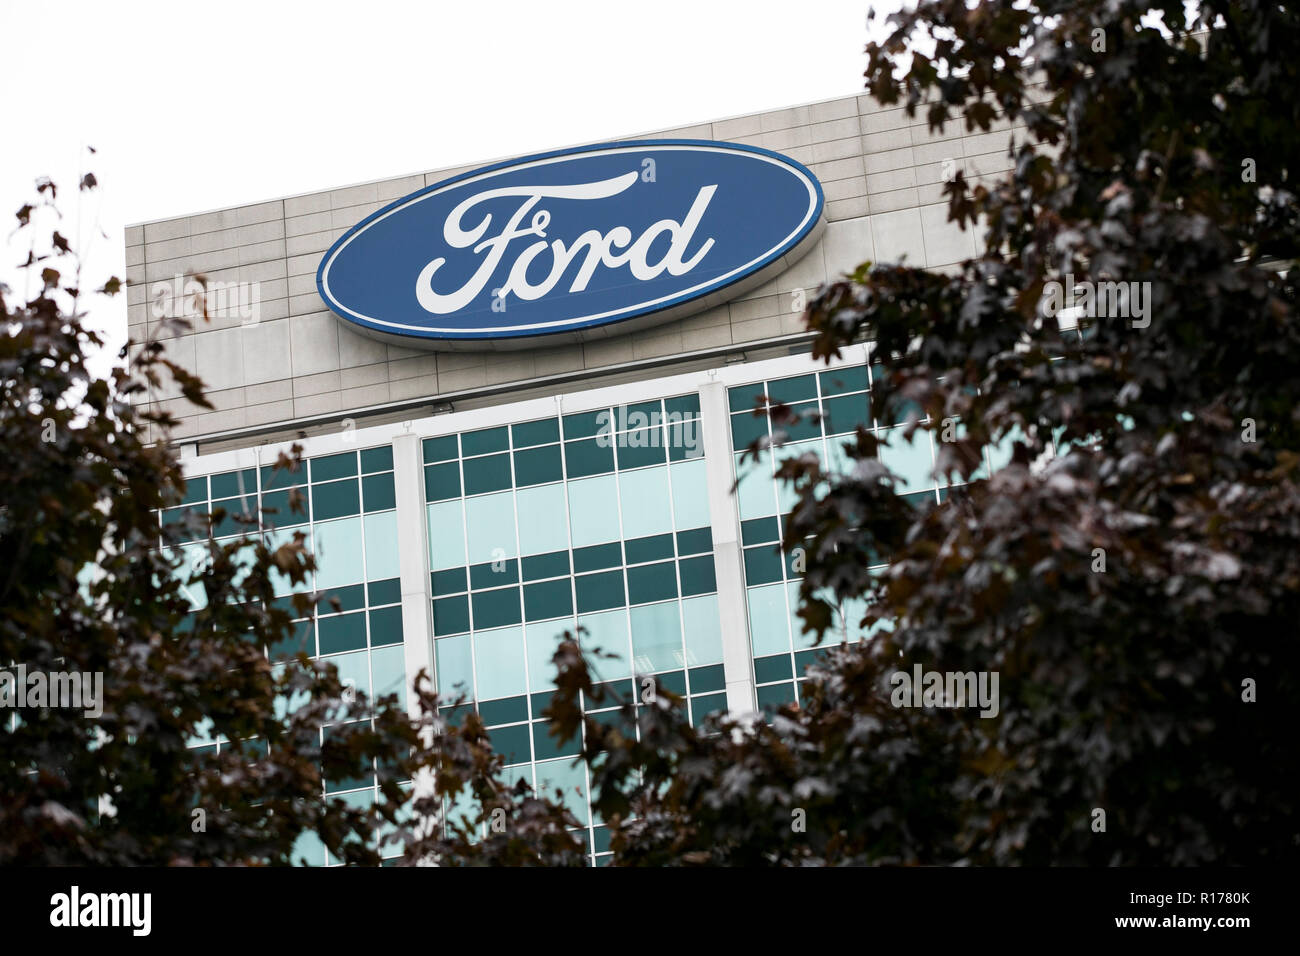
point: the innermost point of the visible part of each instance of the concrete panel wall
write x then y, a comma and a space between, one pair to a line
882, 173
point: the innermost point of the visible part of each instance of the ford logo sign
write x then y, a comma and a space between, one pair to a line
573, 245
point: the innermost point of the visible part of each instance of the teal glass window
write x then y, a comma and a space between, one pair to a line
703, 707
385, 626
334, 466
528, 434
378, 493
548, 599
513, 743
762, 565
586, 424
852, 378
452, 581
273, 477
683, 406
537, 466
652, 582
385, 592
694, 541
597, 557
440, 449
758, 530
646, 503
708, 679
376, 459
656, 548
806, 426
494, 574
484, 441
796, 389
343, 632
743, 397
747, 428
846, 413
698, 575
591, 456
773, 696
234, 483
342, 599
496, 608
597, 592
767, 670
540, 566
504, 710
483, 475
450, 615
442, 481
639, 448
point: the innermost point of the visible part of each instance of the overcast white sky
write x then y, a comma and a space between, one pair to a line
195, 106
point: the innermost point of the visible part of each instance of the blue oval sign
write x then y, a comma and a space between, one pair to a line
574, 244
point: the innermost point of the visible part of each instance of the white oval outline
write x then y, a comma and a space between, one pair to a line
683, 294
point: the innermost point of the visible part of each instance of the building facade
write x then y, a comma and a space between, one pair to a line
467, 506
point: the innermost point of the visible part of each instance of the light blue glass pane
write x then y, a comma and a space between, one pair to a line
646, 505
277, 539
690, 494
542, 520
702, 630
802, 640
854, 608
463, 808
785, 493
570, 779
657, 638
284, 706
838, 461
769, 622
388, 836
381, 546
910, 461
203, 731
388, 666
490, 527
756, 493
607, 631
308, 849
593, 510
354, 669
446, 535
455, 666
542, 641
196, 560
499, 656
338, 549
1000, 454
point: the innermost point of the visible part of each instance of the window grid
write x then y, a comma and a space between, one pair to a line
516, 719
